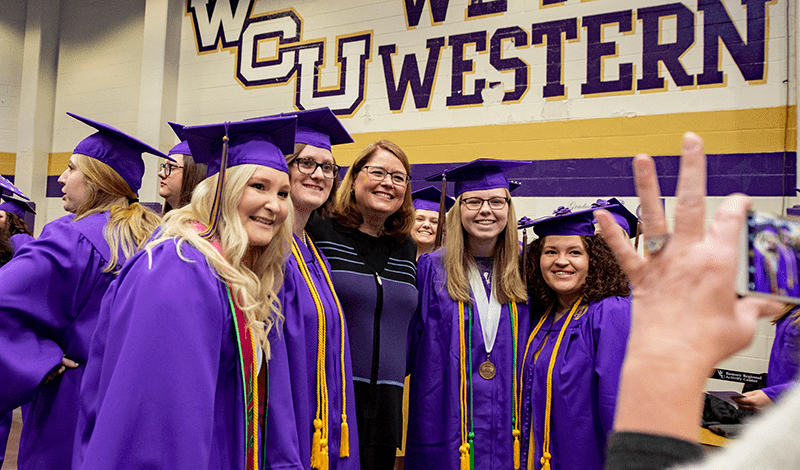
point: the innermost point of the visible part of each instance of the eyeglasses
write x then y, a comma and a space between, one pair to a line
168, 167
378, 174
475, 203
308, 166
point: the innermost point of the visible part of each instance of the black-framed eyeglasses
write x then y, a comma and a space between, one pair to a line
308, 166
168, 167
475, 203
379, 174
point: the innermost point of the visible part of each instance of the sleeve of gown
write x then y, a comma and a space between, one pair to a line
611, 329
417, 324
44, 286
789, 356
158, 373
281, 441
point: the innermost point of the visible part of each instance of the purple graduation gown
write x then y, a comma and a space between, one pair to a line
163, 388
434, 430
292, 401
49, 304
783, 359
16, 240
585, 385
19, 239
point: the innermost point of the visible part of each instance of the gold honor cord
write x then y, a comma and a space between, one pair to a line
344, 437
466, 454
254, 386
319, 442
216, 207
545, 460
319, 446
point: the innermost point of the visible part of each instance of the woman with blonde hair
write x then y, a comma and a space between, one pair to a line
192, 354
373, 272
53, 287
463, 340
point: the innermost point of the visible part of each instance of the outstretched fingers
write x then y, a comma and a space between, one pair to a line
690, 205
652, 212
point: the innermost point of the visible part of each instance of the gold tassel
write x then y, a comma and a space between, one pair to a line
323, 455
546, 461
516, 434
464, 457
315, 444
344, 438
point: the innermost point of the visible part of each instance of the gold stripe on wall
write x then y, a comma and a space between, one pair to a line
8, 163
57, 163
738, 131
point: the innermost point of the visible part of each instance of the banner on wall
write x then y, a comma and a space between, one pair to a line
427, 55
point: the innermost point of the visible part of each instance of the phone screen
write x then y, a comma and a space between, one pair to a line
770, 253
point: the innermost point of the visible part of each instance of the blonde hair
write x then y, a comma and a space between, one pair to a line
254, 274
130, 224
505, 259
345, 211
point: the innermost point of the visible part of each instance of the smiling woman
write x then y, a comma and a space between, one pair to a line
464, 336
574, 354
193, 354
374, 273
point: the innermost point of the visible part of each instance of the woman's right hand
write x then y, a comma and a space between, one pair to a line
60, 369
686, 315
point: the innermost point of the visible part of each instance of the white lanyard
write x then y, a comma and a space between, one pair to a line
488, 309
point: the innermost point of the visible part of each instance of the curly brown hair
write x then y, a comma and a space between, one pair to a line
16, 225
605, 277
6, 252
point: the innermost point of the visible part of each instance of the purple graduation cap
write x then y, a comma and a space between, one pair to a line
428, 199
118, 150
319, 128
566, 222
8, 189
16, 206
480, 174
625, 218
477, 175
262, 141
183, 147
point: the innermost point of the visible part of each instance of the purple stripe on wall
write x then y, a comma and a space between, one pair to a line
53, 188
756, 174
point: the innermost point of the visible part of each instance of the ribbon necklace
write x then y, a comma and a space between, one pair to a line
246, 347
545, 460
466, 449
319, 442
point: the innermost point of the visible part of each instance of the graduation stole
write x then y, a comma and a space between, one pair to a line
319, 441
545, 460
466, 449
248, 358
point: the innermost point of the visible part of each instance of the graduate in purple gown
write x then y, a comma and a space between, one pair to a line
574, 354
310, 378
426, 217
173, 380
53, 287
775, 265
14, 233
784, 363
464, 338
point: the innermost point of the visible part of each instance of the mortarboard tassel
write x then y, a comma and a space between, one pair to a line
216, 207
442, 204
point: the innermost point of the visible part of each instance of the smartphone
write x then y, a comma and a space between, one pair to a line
769, 257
